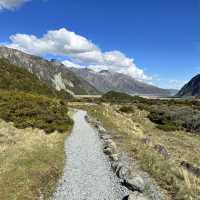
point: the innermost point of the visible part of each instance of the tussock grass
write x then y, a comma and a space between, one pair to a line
31, 162
132, 127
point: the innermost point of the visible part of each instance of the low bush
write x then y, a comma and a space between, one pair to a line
170, 118
168, 127
27, 110
169, 115
126, 109
116, 97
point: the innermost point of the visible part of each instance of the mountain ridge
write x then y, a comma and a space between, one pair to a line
192, 88
106, 80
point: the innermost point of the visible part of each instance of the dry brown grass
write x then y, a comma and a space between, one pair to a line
131, 128
30, 162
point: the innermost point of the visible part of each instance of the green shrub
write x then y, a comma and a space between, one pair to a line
27, 110
169, 115
116, 97
168, 127
170, 118
126, 109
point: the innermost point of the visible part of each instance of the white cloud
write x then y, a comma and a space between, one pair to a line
71, 64
79, 49
11, 4
57, 42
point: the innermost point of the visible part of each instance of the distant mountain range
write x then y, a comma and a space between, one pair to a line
105, 81
79, 81
192, 88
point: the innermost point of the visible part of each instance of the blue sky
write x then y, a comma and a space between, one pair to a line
162, 36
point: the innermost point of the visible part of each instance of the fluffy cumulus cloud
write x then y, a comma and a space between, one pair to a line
11, 4
80, 51
57, 42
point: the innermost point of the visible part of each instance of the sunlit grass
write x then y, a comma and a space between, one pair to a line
30, 162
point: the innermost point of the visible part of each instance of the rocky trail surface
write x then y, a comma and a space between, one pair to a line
87, 174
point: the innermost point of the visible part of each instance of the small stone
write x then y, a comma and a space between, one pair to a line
108, 143
114, 157
123, 172
135, 183
101, 129
147, 141
137, 196
106, 137
107, 151
116, 166
162, 150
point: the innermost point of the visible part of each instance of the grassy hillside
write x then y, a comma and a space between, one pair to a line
31, 160
15, 78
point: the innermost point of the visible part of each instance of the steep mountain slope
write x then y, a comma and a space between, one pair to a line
192, 88
15, 78
106, 81
52, 73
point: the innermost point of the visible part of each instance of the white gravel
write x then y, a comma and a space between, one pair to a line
87, 174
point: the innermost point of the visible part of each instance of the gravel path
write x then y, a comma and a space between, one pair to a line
87, 174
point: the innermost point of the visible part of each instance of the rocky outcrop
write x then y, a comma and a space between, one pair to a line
135, 183
161, 149
191, 168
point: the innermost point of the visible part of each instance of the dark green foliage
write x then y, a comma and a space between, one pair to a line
116, 97
168, 127
27, 110
170, 118
62, 94
14, 78
168, 114
126, 109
